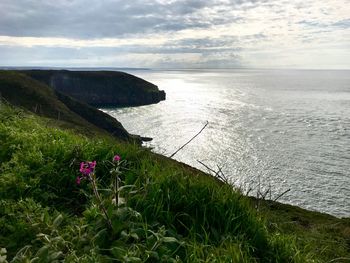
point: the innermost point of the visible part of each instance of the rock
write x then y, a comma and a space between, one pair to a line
146, 139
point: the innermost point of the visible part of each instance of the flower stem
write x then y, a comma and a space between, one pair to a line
94, 187
116, 187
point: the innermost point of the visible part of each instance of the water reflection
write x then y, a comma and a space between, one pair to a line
290, 129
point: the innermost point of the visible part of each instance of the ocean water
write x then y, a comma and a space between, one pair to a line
268, 129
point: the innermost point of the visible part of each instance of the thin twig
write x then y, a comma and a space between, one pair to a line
264, 194
206, 166
249, 190
216, 174
278, 197
222, 176
189, 140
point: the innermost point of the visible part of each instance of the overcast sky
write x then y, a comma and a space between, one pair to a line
176, 33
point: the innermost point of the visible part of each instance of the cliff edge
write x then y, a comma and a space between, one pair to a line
100, 88
20, 90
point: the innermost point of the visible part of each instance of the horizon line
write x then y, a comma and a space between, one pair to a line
165, 69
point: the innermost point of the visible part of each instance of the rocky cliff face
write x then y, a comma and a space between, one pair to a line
101, 88
21, 90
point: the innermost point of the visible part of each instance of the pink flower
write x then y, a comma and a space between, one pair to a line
92, 164
78, 180
116, 158
87, 168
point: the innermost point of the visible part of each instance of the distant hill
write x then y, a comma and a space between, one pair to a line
100, 88
21, 90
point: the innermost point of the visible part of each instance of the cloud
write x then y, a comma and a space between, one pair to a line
96, 19
170, 32
345, 23
342, 24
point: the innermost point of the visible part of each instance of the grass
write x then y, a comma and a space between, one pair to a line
322, 235
30, 94
172, 213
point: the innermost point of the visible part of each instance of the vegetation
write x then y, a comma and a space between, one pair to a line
23, 91
57, 204
169, 213
322, 236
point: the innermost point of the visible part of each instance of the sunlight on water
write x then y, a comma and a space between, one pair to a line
288, 129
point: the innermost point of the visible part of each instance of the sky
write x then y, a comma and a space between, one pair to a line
311, 34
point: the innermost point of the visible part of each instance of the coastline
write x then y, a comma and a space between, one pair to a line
40, 159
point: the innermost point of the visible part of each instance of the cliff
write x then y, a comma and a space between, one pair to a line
100, 88
20, 90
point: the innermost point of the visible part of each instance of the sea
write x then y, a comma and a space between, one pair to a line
283, 134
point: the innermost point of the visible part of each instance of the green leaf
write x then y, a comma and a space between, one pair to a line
126, 187
100, 234
153, 254
169, 239
56, 255
58, 220
132, 259
135, 236
43, 252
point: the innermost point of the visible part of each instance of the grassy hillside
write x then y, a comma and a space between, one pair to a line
171, 214
23, 91
327, 237
168, 212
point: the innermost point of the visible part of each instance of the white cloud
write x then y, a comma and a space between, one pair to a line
261, 33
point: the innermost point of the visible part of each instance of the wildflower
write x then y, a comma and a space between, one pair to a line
116, 158
87, 168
